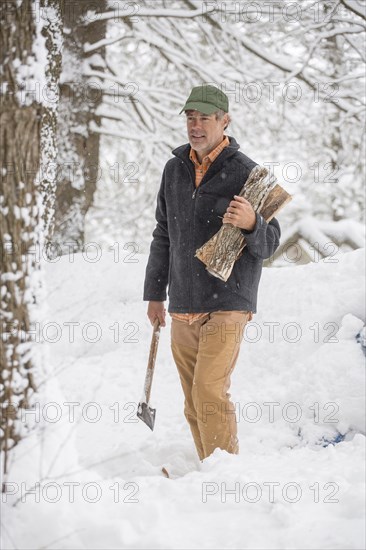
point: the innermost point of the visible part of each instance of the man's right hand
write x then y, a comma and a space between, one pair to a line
156, 310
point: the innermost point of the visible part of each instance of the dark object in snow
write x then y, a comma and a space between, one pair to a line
361, 339
144, 411
337, 439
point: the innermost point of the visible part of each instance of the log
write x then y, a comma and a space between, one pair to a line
267, 197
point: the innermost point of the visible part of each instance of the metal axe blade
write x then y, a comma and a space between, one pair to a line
144, 411
146, 414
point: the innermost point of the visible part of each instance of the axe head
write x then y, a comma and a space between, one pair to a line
146, 414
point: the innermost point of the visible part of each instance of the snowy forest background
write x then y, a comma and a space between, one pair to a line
90, 96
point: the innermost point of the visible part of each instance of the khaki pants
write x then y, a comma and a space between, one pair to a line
205, 353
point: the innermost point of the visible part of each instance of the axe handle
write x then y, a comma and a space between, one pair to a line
152, 358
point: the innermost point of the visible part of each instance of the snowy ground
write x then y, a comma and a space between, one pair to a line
95, 479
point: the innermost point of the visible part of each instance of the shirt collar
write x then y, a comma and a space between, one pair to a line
208, 159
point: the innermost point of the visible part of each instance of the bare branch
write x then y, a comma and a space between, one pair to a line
351, 5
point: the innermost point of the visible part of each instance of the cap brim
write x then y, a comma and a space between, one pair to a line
205, 108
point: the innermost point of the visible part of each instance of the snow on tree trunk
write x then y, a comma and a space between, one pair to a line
78, 156
30, 45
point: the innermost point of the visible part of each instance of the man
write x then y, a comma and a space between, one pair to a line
198, 192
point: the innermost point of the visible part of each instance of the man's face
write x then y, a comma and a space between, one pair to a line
204, 131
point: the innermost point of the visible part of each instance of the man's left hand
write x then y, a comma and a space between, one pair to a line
240, 213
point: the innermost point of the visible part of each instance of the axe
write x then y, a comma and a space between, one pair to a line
144, 411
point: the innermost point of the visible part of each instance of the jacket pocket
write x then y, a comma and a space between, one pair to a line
241, 280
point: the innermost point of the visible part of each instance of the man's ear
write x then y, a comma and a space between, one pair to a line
226, 121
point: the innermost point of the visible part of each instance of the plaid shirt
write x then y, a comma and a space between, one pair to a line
200, 171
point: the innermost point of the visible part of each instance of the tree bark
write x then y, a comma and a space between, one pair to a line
78, 148
223, 249
26, 124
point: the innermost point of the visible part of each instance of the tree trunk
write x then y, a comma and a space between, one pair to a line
78, 148
27, 124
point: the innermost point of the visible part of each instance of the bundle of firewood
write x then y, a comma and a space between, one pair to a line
223, 249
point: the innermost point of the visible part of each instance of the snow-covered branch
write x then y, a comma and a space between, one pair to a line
141, 12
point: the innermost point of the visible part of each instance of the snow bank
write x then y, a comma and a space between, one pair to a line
298, 387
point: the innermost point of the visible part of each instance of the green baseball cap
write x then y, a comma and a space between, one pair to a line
206, 99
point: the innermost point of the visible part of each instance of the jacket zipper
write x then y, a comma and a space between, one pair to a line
194, 194
191, 237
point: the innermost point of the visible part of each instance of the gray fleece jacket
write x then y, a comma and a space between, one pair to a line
186, 218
